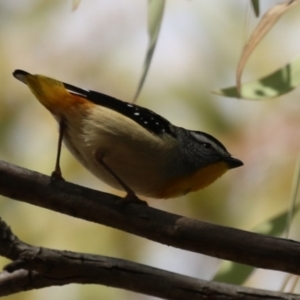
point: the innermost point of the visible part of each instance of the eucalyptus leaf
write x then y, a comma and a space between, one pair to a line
255, 6
234, 273
266, 23
294, 196
273, 85
155, 15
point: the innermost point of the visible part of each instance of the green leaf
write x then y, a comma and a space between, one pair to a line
255, 6
273, 85
234, 273
294, 194
266, 23
277, 225
155, 15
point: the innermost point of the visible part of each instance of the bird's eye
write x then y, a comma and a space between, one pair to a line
207, 145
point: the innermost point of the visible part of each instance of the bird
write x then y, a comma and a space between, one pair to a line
127, 146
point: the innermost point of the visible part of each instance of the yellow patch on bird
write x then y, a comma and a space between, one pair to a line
194, 182
52, 94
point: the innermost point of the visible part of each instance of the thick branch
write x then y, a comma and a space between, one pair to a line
35, 268
177, 231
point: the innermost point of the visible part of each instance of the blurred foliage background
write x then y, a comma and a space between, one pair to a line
101, 46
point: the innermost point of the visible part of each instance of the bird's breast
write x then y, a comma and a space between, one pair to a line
138, 157
197, 180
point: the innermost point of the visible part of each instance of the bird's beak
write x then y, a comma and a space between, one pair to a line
20, 75
233, 162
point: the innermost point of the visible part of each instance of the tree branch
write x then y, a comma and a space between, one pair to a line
170, 229
34, 268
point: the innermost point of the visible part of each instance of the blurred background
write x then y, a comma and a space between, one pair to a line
101, 46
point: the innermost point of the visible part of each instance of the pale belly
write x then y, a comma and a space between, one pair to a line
142, 169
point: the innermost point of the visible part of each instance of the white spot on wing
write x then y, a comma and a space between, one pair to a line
85, 90
75, 93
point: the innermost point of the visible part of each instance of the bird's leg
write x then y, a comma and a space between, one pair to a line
130, 196
56, 174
